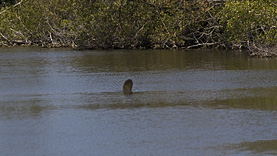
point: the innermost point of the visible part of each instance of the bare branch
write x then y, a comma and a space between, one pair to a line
12, 6
200, 45
4, 37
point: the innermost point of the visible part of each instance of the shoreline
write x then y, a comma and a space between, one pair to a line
255, 52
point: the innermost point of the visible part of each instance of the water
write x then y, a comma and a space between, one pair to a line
63, 102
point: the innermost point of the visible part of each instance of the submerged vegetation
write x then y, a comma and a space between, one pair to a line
141, 24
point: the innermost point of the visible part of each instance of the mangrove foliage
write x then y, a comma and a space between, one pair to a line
141, 24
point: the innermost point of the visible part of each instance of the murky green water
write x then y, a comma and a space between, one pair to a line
62, 102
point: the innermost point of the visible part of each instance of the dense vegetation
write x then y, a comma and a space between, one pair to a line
140, 24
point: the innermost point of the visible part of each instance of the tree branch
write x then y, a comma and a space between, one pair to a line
4, 37
200, 44
12, 6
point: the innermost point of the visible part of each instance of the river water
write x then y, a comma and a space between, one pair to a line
63, 102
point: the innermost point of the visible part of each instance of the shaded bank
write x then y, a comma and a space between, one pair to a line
127, 24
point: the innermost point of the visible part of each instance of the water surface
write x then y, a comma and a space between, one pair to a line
64, 102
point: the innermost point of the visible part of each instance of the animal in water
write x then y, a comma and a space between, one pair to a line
127, 87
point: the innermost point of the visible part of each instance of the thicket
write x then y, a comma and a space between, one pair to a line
112, 24
251, 24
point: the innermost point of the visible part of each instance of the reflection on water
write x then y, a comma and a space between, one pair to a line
260, 103
63, 102
260, 147
123, 61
